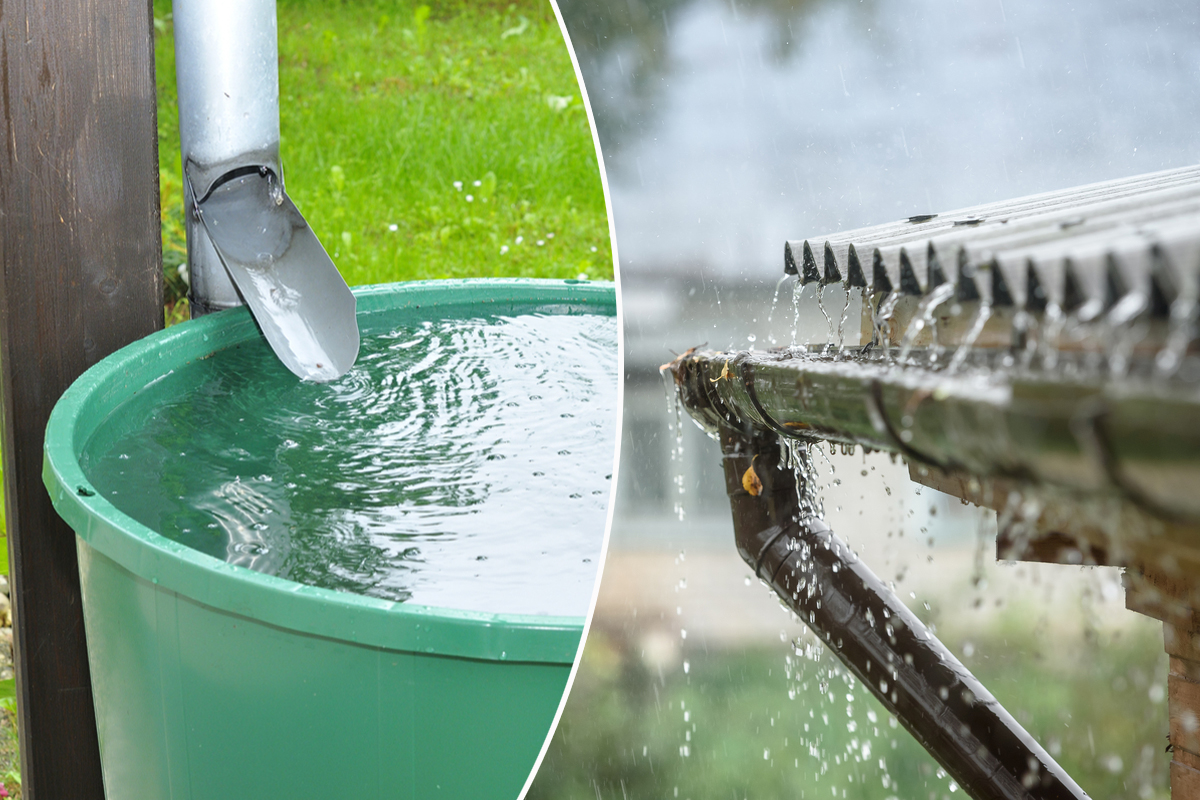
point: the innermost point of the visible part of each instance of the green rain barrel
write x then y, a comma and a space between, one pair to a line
214, 681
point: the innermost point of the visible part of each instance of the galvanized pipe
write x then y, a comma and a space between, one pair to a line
884, 644
227, 75
247, 241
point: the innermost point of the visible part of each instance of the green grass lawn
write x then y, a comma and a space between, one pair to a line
422, 141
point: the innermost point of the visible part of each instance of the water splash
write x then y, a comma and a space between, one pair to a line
881, 320
982, 315
829, 693
924, 318
797, 456
411, 477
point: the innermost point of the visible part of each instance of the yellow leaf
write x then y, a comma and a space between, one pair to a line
750, 481
725, 373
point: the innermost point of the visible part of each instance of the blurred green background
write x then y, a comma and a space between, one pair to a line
764, 722
696, 683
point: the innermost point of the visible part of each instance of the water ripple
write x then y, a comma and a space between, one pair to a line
460, 463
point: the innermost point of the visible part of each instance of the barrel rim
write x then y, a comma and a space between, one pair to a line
238, 590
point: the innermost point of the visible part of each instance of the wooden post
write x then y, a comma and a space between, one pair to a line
1174, 599
1183, 707
80, 276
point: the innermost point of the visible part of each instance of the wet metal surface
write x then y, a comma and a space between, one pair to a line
771, 483
1095, 243
297, 296
891, 651
227, 74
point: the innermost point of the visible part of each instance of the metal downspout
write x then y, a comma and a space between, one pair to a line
885, 645
247, 241
227, 75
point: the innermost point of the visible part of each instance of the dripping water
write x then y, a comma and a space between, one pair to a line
923, 319
1053, 321
797, 293
964, 350
1124, 328
1181, 332
775, 298
828, 319
881, 320
841, 329
675, 428
1026, 334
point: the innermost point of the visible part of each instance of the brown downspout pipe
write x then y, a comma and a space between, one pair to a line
908, 670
